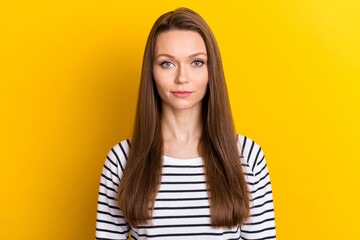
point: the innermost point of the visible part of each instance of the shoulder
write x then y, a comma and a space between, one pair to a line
250, 152
118, 155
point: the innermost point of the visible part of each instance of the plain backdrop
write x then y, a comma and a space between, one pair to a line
69, 75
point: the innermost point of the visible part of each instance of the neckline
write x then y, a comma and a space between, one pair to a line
181, 159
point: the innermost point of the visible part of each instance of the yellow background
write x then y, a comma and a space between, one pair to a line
69, 75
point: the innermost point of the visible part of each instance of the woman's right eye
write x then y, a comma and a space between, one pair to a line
166, 64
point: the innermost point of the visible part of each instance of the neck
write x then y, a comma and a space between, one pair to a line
182, 126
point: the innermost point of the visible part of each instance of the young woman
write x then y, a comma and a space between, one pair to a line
185, 174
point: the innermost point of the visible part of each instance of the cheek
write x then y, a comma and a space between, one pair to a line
162, 82
158, 78
155, 74
202, 78
206, 77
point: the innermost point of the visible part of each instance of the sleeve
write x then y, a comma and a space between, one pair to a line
261, 224
110, 222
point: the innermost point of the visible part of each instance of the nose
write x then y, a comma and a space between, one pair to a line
181, 77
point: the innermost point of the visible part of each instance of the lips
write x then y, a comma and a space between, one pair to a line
181, 94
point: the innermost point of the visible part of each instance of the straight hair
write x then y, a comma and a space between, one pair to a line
225, 181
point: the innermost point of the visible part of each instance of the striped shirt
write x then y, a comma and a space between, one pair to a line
182, 205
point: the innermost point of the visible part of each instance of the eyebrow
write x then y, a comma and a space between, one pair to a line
170, 56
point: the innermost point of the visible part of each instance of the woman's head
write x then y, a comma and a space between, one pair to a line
180, 20
180, 70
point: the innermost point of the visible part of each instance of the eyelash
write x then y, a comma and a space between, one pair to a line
163, 64
200, 61
166, 62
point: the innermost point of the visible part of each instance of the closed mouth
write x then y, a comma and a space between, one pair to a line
181, 92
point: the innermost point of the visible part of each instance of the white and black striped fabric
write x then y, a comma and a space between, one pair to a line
182, 206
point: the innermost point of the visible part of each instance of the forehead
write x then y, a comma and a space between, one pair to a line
179, 43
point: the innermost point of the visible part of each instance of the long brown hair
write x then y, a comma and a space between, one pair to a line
228, 194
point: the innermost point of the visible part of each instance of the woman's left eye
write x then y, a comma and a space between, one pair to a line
197, 63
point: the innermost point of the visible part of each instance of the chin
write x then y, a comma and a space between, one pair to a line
181, 105
184, 106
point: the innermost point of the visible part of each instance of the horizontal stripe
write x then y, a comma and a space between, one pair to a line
259, 197
114, 174
110, 231
259, 231
180, 199
103, 194
185, 216
110, 222
272, 237
189, 234
108, 205
184, 208
107, 187
98, 238
183, 174
262, 213
262, 221
261, 205
175, 226
259, 188
182, 191
181, 166
201, 182
110, 214
109, 179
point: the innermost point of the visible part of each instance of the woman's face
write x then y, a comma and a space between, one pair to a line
180, 69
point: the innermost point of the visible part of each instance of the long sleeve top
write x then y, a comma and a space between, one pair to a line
182, 206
